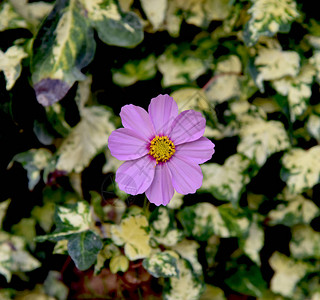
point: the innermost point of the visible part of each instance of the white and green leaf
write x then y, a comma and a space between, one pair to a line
301, 169
259, 139
227, 181
269, 17
161, 264
313, 126
33, 161
134, 71
10, 64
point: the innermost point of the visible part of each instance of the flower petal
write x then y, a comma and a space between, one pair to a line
125, 144
186, 176
137, 119
187, 127
162, 110
161, 190
198, 151
135, 176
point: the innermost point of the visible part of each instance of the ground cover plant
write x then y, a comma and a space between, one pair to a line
69, 230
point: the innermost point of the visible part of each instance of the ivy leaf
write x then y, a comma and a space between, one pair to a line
33, 161
187, 286
10, 64
313, 126
259, 139
203, 220
268, 18
119, 263
305, 243
13, 256
155, 11
161, 264
254, 242
85, 140
298, 210
226, 84
297, 89
227, 181
180, 65
274, 64
212, 293
134, 71
9, 18
113, 26
69, 220
247, 280
301, 169
83, 248
132, 234
3, 210
288, 273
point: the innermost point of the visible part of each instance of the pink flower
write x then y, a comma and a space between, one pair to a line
162, 150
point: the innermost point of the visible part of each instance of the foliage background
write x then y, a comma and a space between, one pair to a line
251, 67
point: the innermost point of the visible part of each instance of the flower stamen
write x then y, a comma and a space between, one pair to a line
161, 148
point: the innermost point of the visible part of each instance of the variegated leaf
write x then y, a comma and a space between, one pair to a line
119, 263
155, 11
297, 210
132, 234
114, 27
63, 46
288, 273
313, 126
134, 71
259, 139
305, 242
297, 89
274, 64
10, 64
268, 18
187, 286
301, 169
33, 161
227, 181
85, 140
3, 210
162, 264
13, 256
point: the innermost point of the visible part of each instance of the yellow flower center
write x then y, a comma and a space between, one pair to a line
161, 148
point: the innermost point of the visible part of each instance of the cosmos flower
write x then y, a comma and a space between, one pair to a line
162, 150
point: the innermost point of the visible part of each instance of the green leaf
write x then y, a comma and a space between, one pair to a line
301, 169
134, 71
247, 280
268, 18
83, 248
161, 264
227, 181
259, 139
305, 242
63, 46
113, 26
187, 286
10, 64
288, 273
26, 229
33, 161
212, 293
